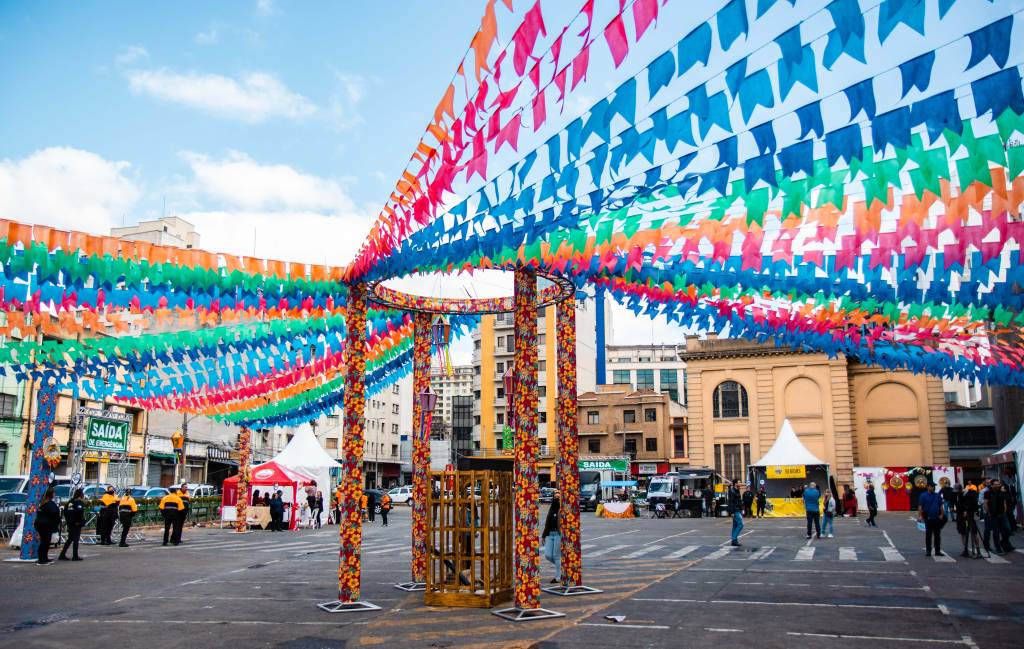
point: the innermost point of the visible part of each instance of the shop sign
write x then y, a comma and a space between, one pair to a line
508, 438
107, 431
647, 468
615, 464
783, 471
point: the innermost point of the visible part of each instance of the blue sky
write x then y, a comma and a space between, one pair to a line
277, 128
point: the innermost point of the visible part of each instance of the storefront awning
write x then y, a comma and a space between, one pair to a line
162, 456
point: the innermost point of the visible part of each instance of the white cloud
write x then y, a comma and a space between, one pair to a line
343, 109
240, 181
131, 55
255, 97
209, 37
67, 188
265, 7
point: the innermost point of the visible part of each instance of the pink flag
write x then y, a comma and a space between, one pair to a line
644, 13
615, 35
540, 111
510, 133
579, 66
525, 37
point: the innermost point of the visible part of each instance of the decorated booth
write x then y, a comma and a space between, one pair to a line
271, 474
784, 471
1007, 464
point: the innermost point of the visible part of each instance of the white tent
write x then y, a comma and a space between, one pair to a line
1013, 452
788, 450
305, 455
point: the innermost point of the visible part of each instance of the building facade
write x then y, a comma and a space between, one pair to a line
165, 231
648, 367
644, 425
458, 384
493, 355
846, 413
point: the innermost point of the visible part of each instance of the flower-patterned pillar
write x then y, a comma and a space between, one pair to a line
350, 527
566, 414
244, 463
420, 445
527, 445
39, 470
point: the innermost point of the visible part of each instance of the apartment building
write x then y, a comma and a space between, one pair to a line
648, 367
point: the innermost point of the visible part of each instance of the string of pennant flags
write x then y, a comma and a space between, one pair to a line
841, 176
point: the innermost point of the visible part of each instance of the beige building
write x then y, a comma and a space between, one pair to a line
846, 413
646, 426
166, 231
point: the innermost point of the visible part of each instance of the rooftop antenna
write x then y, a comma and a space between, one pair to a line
163, 214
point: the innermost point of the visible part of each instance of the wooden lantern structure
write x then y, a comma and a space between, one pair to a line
469, 538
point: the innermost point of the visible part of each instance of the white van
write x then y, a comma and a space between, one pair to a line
401, 495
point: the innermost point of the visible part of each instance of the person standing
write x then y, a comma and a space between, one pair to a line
186, 500
337, 505
735, 503
276, 512
47, 522
849, 502
74, 516
872, 501
551, 538
948, 500
929, 507
828, 526
983, 512
106, 517
812, 506
363, 504
967, 520
371, 505
170, 505
318, 509
748, 502
385, 507
126, 509
995, 509
256, 499
762, 501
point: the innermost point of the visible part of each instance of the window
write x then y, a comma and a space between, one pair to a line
476, 370
541, 338
621, 377
731, 460
476, 344
476, 420
542, 417
394, 429
499, 368
499, 418
510, 343
630, 445
645, 359
650, 414
679, 445
645, 379
501, 393
650, 444
332, 420
629, 416
593, 417
950, 397
394, 408
331, 443
670, 383
476, 394
729, 400
8, 402
500, 319
394, 389
542, 390
593, 446
542, 366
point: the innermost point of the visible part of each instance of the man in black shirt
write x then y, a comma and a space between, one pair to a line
995, 507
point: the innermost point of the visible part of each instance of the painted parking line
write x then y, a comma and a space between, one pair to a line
678, 554
805, 553
665, 538
891, 554
878, 638
942, 557
614, 548
718, 554
387, 549
762, 553
847, 554
647, 549
995, 558
288, 546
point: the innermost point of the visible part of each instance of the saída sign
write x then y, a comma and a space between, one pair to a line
104, 434
604, 465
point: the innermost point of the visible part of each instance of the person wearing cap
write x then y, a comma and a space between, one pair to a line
186, 499
107, 516
126, 509
170, 505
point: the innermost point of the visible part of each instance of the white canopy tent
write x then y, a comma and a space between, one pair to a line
788, 450
305, 455
1012, 453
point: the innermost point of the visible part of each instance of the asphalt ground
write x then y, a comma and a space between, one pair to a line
675, 582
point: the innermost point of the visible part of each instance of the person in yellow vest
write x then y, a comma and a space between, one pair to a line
170, 506
337, 506
183, 515
385, 507
365, 501
126, 509
107, 516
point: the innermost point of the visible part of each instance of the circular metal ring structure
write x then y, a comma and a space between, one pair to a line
560, 289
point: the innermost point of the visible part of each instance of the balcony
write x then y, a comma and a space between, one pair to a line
546, 452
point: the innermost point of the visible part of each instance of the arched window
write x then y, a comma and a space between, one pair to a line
729, 400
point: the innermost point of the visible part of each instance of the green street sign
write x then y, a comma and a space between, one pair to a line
618, 464
104, 434
508, 439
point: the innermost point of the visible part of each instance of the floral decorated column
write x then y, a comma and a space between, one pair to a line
420, 450
244, 462
525, 535
350, 527
39, 470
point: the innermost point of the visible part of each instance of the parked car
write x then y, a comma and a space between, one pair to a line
9, 483
142, 491
62, 492
547, 494
374, 495
401, 495
197, 490
13, 501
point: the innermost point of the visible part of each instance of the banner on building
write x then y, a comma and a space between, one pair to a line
508, 438
784, 471
106, 431
613, 464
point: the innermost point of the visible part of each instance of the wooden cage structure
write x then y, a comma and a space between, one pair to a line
469, 538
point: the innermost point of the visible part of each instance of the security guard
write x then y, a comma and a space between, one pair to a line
74, 516
107, 516
183, 515
126, 509
170, 506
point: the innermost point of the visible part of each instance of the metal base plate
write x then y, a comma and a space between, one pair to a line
524, 614
338, 606
570, 591
412, 586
